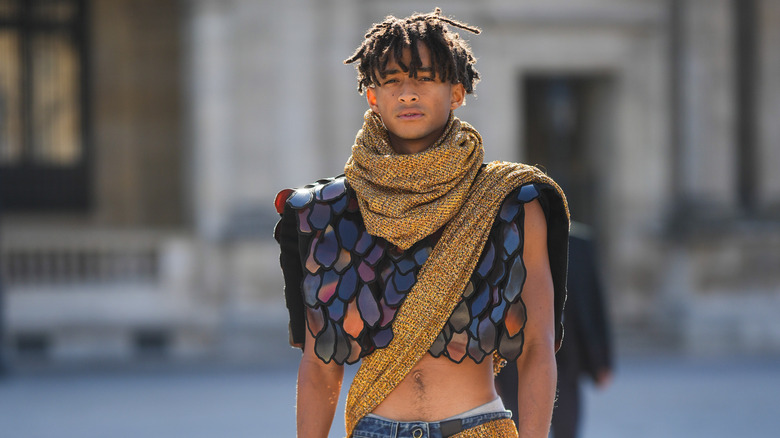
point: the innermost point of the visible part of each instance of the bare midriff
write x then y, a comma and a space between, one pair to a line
438, 388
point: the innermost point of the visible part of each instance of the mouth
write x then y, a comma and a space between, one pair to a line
410, 115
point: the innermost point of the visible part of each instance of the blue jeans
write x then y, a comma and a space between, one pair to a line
375, 427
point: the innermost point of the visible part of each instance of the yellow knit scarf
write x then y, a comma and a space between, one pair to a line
390, 190
405, 197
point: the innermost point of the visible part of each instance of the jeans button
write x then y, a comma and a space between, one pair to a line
417, 432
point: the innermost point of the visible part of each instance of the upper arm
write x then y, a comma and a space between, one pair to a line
310, 358
321, 373
286, 233
319, 386
537, 295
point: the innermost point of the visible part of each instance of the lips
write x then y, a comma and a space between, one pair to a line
410, 114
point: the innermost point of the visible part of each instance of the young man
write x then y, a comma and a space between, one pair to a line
426, 264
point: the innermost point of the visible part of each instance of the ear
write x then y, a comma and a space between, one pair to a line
371, 99
457, 95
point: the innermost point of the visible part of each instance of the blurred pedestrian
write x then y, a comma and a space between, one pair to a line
586, 348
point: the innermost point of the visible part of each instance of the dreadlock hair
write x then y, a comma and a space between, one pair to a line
451, 57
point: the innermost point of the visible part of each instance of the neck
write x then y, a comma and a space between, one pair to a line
405, 146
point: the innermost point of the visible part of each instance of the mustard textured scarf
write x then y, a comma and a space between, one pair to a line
404, 198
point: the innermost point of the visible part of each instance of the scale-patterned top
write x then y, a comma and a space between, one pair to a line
346, 285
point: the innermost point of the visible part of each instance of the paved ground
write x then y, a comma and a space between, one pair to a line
657, 397
688, 398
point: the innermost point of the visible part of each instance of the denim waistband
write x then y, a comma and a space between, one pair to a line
496, 405
375, 427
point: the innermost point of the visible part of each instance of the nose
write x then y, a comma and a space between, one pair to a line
408, 93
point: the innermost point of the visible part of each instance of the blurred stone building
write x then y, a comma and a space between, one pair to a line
142, 142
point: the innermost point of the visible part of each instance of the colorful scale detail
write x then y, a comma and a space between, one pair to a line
354, 283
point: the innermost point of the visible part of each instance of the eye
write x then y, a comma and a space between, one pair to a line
390, 81
425, 79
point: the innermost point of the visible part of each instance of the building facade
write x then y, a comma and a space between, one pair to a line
142, 142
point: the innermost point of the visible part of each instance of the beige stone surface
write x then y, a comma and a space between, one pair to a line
139, 157
204, 109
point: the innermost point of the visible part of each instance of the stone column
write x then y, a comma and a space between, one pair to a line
210, 130
769, 105
708, 155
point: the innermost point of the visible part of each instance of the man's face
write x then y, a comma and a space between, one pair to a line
414, 110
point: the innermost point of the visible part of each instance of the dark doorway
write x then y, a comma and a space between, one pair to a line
567, 133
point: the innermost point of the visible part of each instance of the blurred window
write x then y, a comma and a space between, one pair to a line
43, 122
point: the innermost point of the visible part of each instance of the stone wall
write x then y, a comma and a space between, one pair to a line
136, 88
204, 109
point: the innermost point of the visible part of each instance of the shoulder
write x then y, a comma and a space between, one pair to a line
521, 217
530, 183
313, 207
524, 197
322, 191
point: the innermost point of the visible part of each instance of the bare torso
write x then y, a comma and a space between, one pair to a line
438, 388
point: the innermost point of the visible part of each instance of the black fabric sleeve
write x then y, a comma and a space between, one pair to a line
287, 236
557, 248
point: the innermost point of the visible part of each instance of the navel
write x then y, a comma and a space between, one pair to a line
419, 382
420, 398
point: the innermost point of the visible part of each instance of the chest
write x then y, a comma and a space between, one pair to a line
353, 283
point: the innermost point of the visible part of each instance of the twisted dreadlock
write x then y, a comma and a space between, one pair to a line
451, 56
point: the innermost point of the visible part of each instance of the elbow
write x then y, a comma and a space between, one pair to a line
320, 371
538, 354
